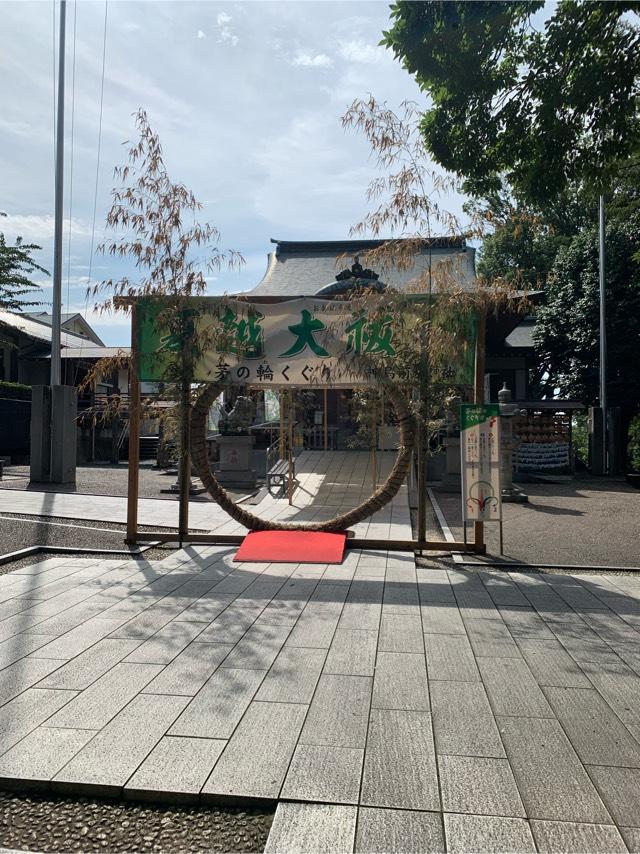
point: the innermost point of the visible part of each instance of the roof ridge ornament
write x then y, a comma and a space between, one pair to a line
357, 271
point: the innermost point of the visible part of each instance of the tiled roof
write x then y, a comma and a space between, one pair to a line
38, 330
301, 268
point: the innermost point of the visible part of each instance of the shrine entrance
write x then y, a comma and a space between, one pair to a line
291, 343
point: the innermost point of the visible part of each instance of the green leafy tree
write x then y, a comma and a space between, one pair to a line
16, 267
511, 104
567, 330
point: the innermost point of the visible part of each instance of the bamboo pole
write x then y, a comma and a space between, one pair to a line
325, 419
479, 397
290, 473
374, 448
281, 437
133, 473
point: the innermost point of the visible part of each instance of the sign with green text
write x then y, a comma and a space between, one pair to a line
298, 342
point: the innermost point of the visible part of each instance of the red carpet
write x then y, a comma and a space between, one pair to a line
292, 547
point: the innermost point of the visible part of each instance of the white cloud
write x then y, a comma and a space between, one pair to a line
307, 60
39, 229
225, 32
363, 52
201, 35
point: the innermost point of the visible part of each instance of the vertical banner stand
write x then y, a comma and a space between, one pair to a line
325, 419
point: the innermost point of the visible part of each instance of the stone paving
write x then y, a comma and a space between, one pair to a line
384, 707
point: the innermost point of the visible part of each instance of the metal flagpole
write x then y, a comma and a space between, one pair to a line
56, 362
603, 337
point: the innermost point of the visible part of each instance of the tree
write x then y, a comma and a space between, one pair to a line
567, 329
16, 265
536, 110
156, 226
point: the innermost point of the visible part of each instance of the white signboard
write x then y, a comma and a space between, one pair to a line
480, 451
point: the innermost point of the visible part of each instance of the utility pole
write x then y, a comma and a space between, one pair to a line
603, 337
54, 407
56, 362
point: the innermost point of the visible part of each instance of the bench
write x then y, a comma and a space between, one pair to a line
277, 478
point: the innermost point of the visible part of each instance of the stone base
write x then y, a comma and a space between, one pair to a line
514, 496
237, 479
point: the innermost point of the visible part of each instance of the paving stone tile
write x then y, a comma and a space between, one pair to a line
188, 672
352, 652
360, 615
206, 609
564, 837
339, 712
552, 782
322, 773
512, 689
27, 711
259, 647
381, 830
619, 788
502, 590
463, 721
293, 676
24, 674
90, 665
441, 619
400, 633
551, 664
257, 756
525, 623
620, 687
175, 766
77, 640
400, 597
471, 784
163, 647
231, 625
490, 834
610, 627
112, 756
434, 586
595, 732
94, 707
400, 763
216, 709
631, 836
322, 828
313, 629
42, 753
19, 646
491, 638
450, 658
400, 682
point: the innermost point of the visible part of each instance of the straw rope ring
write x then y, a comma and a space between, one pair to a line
383, 495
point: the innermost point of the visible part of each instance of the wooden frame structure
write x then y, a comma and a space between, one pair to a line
134, 536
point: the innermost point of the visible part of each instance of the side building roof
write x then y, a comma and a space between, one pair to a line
302, 268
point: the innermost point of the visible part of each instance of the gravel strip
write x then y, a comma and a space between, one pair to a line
19, 531
36, 823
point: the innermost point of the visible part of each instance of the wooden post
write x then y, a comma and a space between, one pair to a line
374, 448
281, 437
325, 418
185, 459
290, 472
478, 396
134, 434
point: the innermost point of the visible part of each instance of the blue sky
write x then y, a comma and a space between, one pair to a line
246, 97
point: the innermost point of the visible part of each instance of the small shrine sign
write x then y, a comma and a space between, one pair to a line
480, 452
